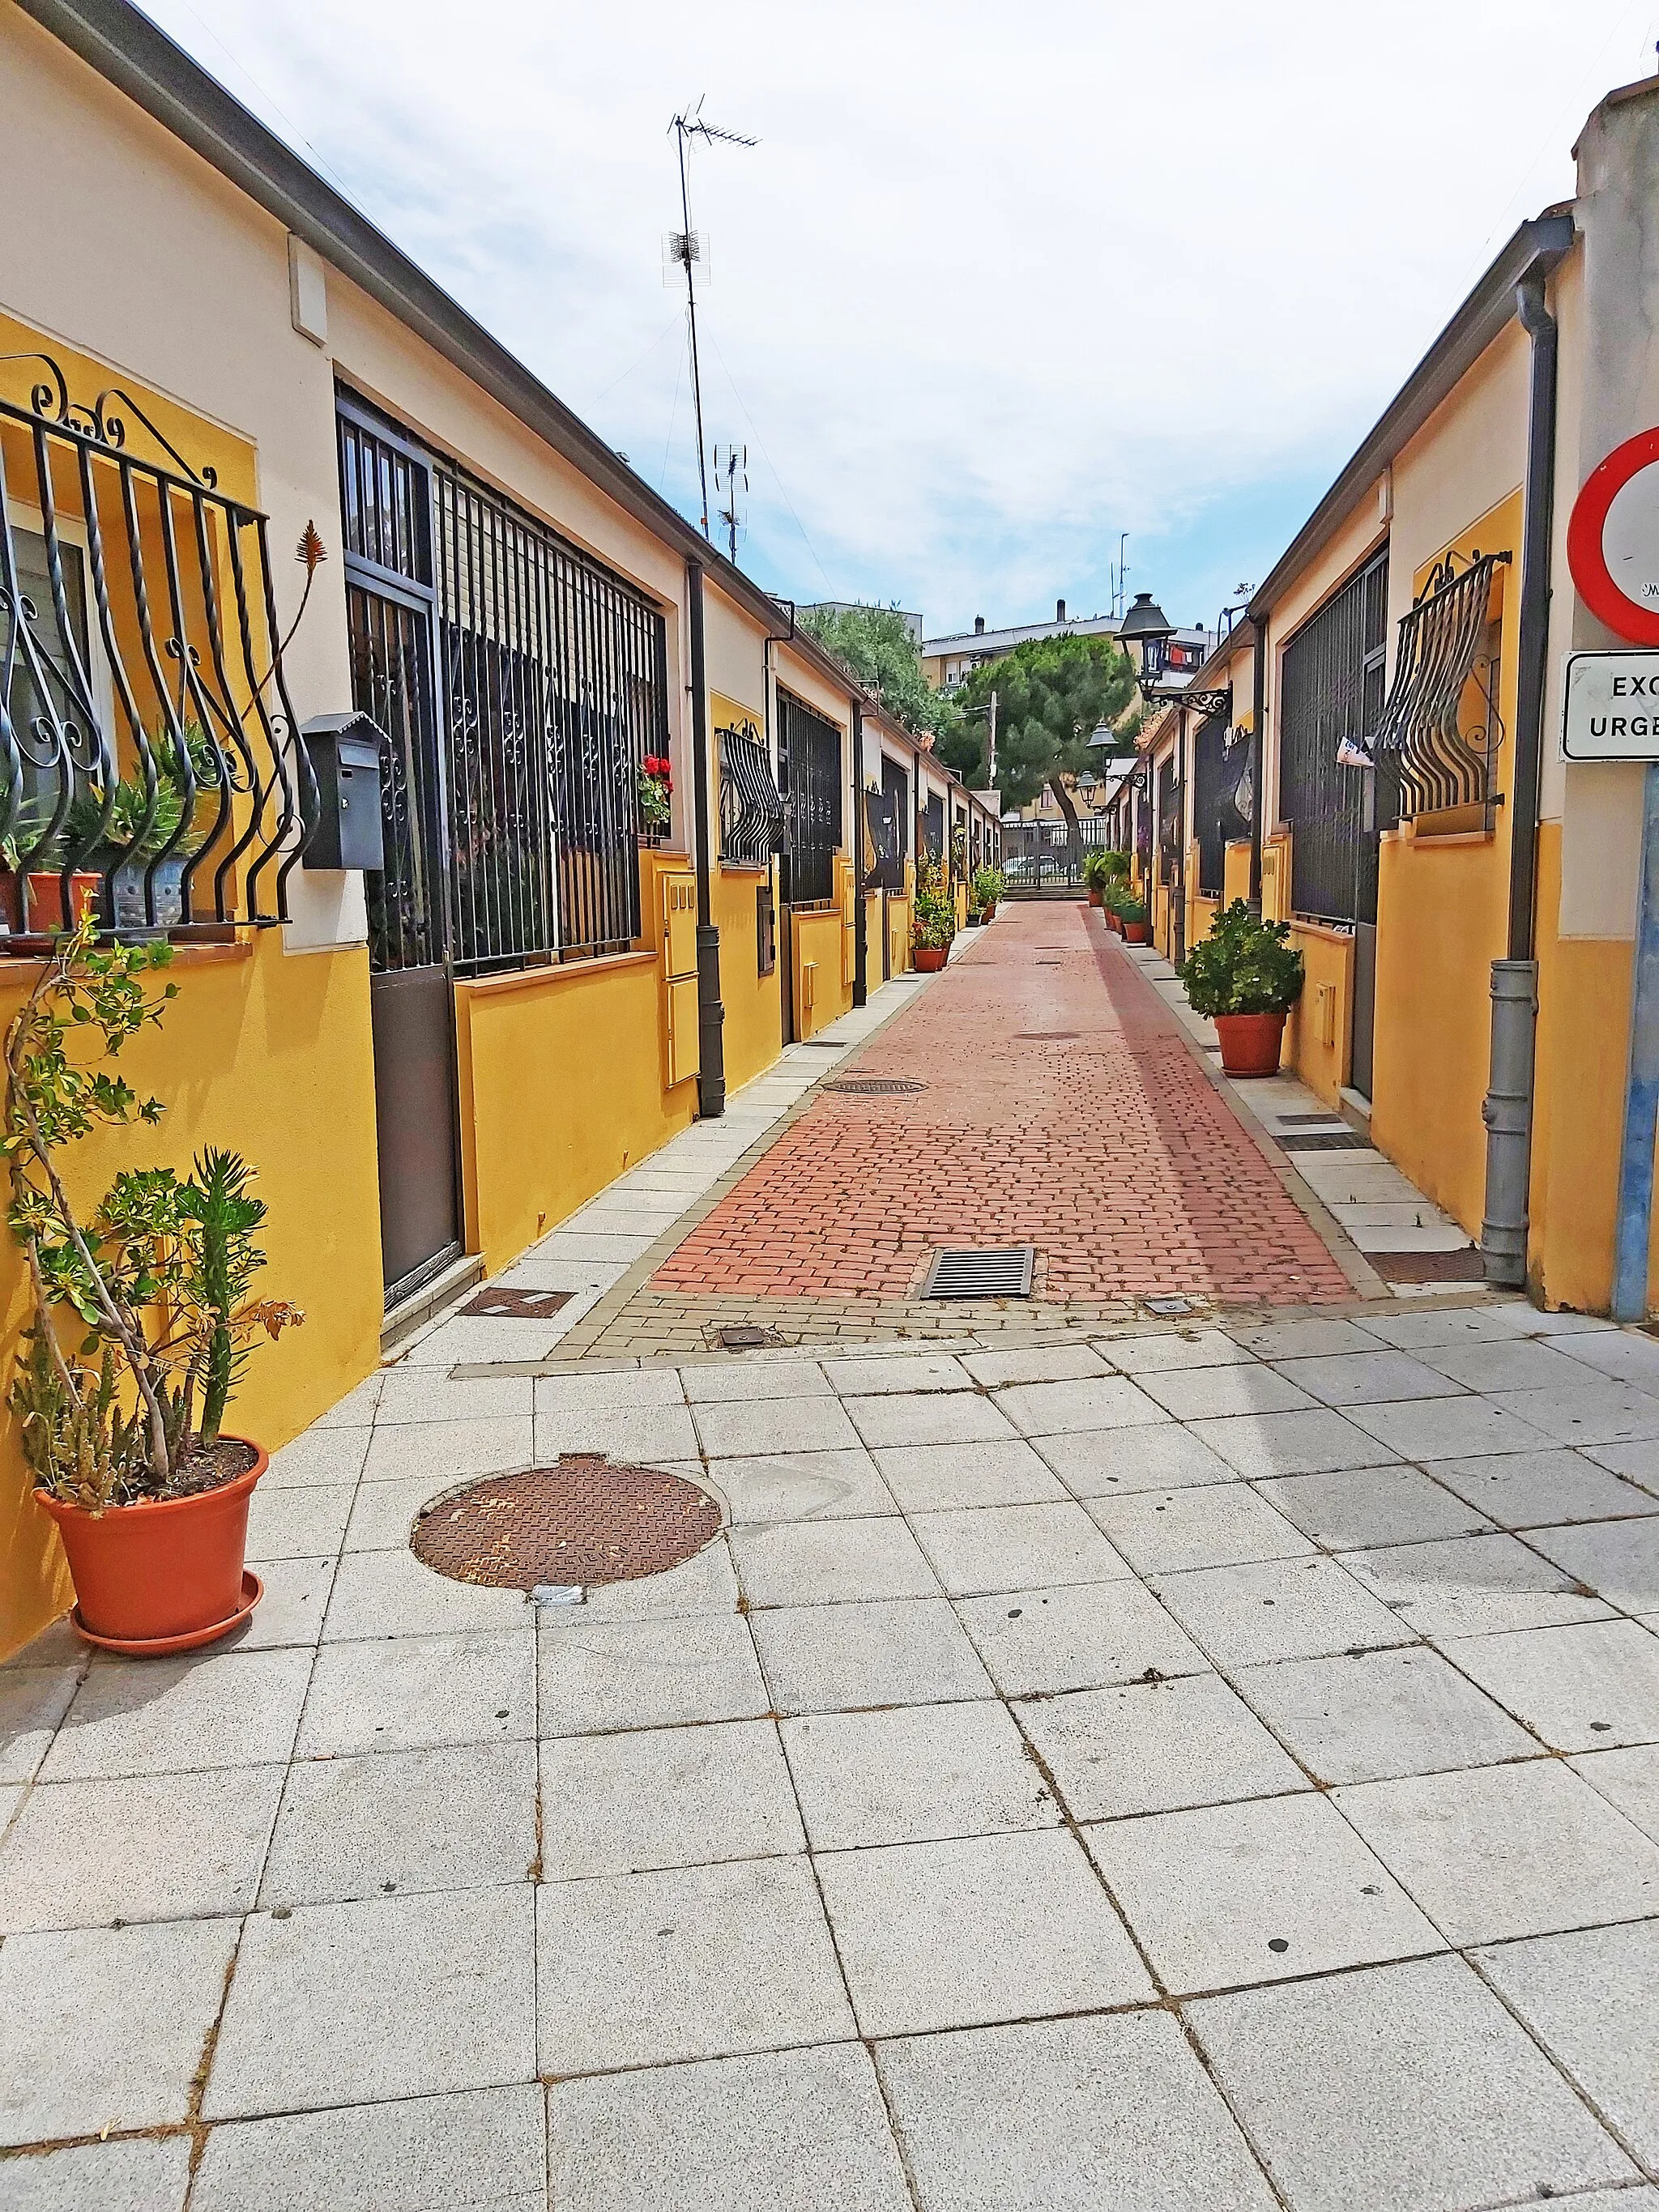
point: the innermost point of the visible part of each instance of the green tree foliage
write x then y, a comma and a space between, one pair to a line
1053, 693
875, 644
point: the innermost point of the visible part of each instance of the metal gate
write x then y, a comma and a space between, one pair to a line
1332, 691
386, 501
519, 685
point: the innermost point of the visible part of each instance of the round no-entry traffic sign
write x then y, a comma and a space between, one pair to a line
1612, 540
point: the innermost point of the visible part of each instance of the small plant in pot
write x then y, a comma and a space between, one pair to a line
1135, 920
985, 894
932, 918
142, 1321
1096, 874
1246, 976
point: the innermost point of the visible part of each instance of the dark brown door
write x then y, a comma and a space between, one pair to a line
411, 996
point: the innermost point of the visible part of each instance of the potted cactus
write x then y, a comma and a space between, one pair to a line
1246, 976
142, 1320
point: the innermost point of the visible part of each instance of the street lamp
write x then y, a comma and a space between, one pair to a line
1148, 625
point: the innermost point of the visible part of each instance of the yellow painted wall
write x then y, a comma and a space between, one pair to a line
1440, 914
268, 1054
1441, 919
1317, 1034
1583, 1043
1235, 871
1201, 912
561, 1090
898, 934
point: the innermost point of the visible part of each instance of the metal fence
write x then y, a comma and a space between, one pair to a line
555, 691
150, 773
809, 777
1331, 700
1038, 854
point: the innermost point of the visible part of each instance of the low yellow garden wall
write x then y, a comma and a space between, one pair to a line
268, 1054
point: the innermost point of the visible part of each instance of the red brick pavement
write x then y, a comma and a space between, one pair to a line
1064, 1109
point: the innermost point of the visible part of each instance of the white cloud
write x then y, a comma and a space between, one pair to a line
995, 284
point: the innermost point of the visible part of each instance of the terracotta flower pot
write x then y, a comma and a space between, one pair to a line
46, 892
1138, 932
1251, 1043
166, 1575
1093, 898
930, 958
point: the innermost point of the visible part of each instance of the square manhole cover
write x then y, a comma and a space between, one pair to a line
1001, 1272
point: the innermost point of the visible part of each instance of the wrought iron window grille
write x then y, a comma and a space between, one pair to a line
1445, 648
752, 805
549, 672
151, 772
809, 777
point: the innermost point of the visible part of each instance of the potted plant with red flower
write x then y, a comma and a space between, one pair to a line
142, 1321
655, 795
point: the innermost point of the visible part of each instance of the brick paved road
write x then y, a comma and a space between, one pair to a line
1064, 1109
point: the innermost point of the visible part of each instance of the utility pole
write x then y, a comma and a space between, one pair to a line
991, 780
685, 247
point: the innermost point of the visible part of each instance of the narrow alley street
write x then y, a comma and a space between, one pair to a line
1090, 1759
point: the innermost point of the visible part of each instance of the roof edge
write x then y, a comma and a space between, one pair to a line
1536, 248
138, 58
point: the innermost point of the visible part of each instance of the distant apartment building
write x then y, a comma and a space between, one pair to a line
948, 661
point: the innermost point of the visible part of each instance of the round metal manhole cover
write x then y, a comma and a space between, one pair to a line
875, 1086
582, 1521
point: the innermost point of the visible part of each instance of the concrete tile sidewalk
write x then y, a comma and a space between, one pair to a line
1061, 1789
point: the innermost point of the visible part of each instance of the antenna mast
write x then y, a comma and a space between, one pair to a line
686, 249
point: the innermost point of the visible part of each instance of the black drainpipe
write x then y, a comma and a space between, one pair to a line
1258, 738
860, 933
1507, 1109
711, 1014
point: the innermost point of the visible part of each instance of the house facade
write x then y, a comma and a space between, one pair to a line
286, 529
1396, 696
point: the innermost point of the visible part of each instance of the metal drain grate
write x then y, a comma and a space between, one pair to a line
501, 1304
1306, 1121
1000, 1273
1324, 1140
875, 1086
1046, 1036
583, 1521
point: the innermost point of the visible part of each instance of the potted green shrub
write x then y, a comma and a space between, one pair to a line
142, 1321
1246, 976
1134, 919
1097, 873
984, 895
933, 917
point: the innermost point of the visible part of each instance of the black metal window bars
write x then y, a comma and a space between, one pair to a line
808, 762
1444, 647
751, 806
884, 815
150, 770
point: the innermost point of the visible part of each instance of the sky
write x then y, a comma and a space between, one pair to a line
994, 285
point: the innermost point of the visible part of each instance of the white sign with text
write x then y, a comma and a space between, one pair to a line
1611, 707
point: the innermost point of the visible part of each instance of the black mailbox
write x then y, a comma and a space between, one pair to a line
345, 759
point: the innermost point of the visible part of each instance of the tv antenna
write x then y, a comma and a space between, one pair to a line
733, 464
686, 248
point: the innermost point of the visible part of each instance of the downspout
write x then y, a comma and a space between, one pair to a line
711, 1014
1258, 740
860, 933
1507, 1108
